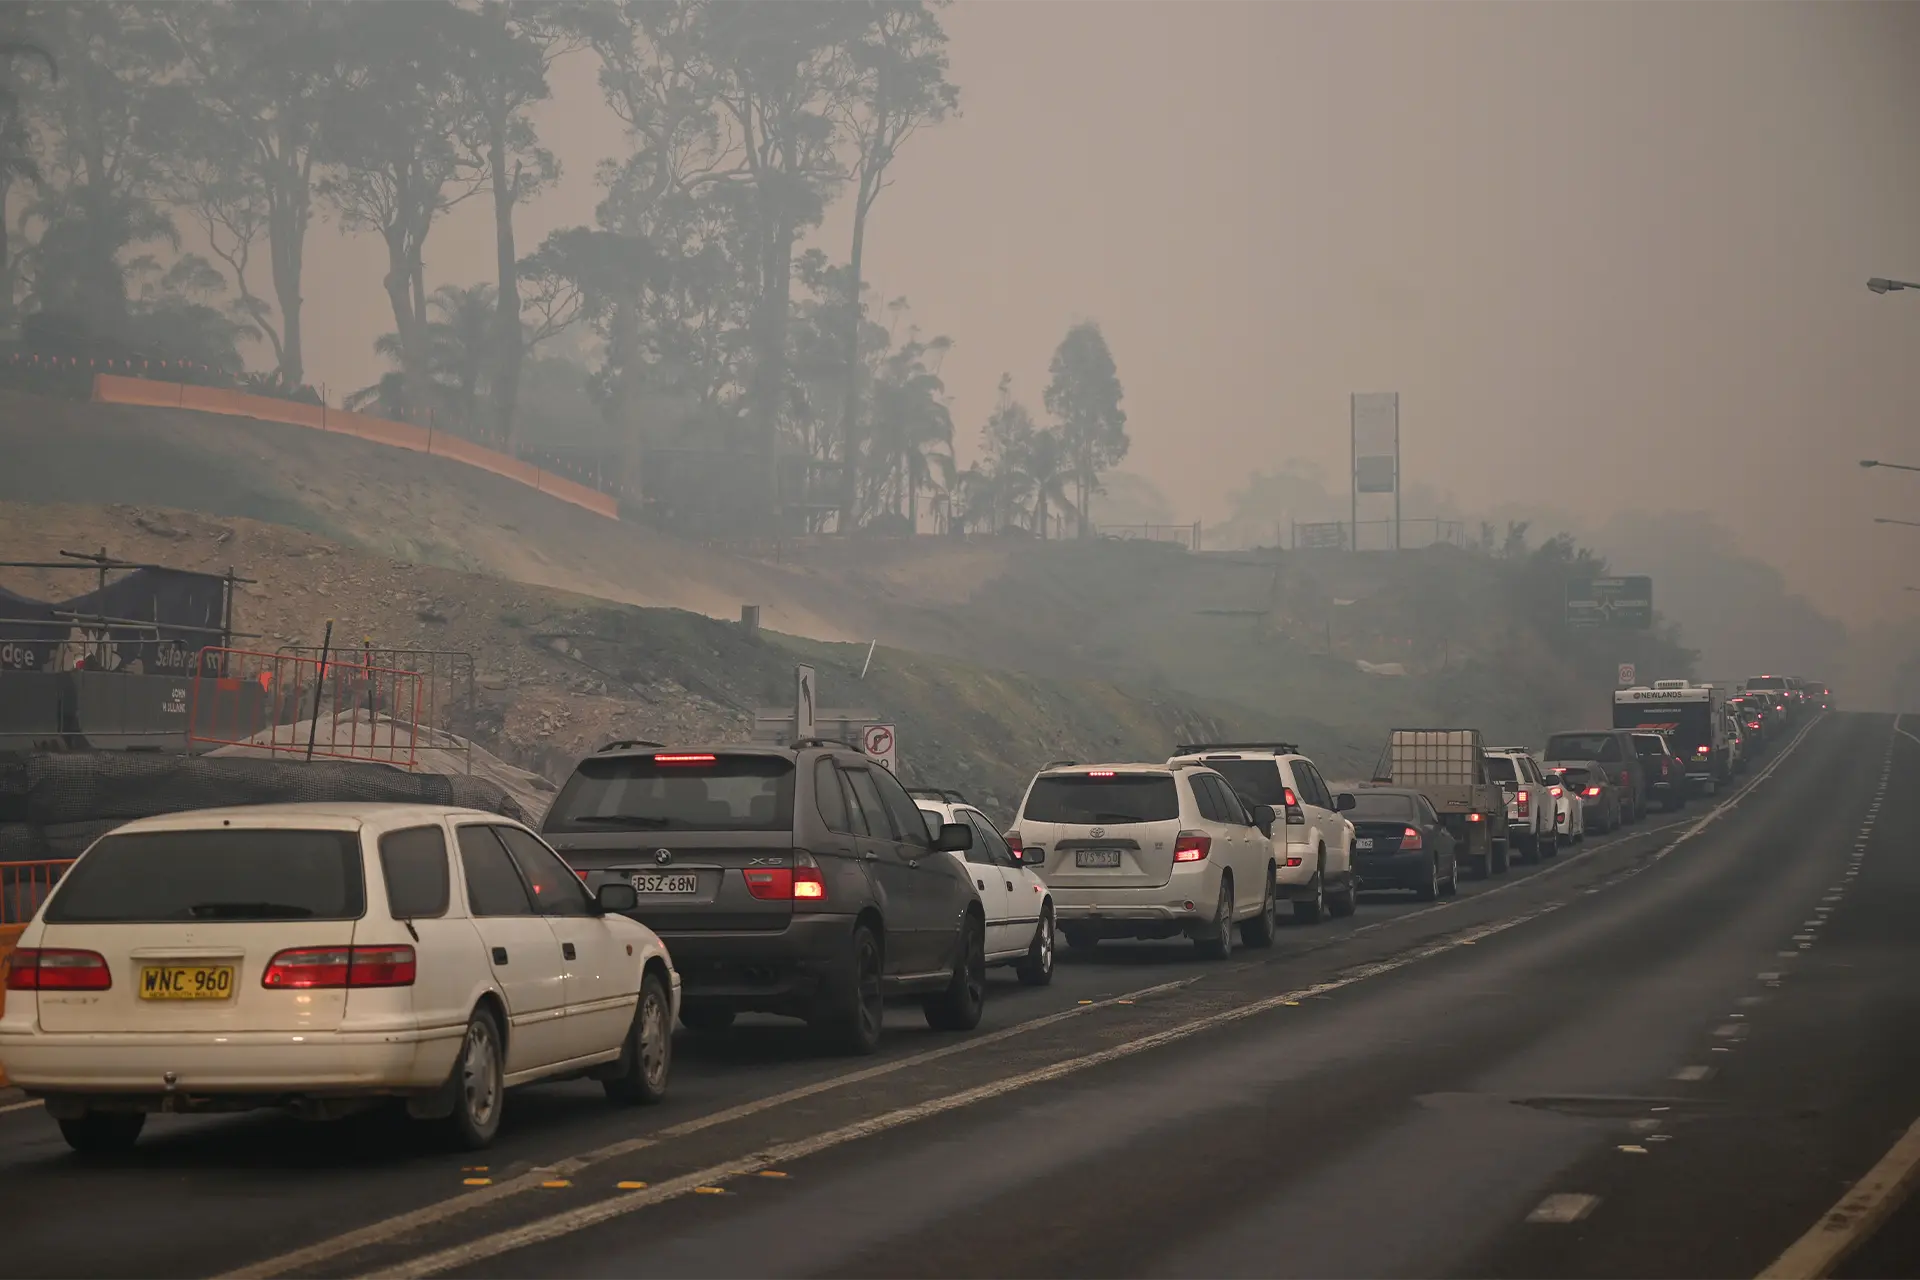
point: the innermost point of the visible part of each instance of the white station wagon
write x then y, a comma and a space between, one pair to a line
320, 957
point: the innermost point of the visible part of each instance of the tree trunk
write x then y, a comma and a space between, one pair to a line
769, 372
409, 324
6, 261
508, 349
850, 397
289, 209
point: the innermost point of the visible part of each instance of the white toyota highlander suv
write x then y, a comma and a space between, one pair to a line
1314, 855
1149, 851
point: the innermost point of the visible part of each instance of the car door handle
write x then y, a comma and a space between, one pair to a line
566, 950
871, 856
499, 955
980, 885
1009, 884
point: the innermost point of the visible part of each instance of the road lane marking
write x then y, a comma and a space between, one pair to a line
1693, 1073
566, 1223
21, 1106
440, 1210
1867, 1204
1564, 1207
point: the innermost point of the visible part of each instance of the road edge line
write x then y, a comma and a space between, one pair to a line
1858, 1214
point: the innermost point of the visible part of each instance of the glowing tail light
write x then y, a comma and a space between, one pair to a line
307, 968
1191, 846
1410, 839
58, 969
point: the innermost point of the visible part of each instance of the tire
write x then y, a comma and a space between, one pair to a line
1431, 889
1344, 902
1528, 853
1451, 889
959, 1007
706, 1018
1218, 944
1260, 931
1037, 969
1314, 909
1499, 860
1551, 848
852, 1022
478, 1083
104, 1133
646, 1057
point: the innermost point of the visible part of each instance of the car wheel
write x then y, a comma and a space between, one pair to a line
1452, 887
1260, 931
854, 1025
1311, 910
1218, 942
479, 1089
103, 1133
1552, 846
1431, 889
959, 1007
1037, 969
647, 1055
1344, 901
705, 1017
1499, 860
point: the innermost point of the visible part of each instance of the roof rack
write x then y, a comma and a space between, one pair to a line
944, 794
1280, 748
627, 744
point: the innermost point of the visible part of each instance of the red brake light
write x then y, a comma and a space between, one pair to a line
1099, 773
1626, 779
1593, 791
1556, 792
683, 759
1296, 816
800, 882
1474, 817
306, 968
1013, 842
1191, 846
1524, 801
1700, 751
1410, 839
58, 969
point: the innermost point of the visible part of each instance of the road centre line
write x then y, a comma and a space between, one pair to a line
566, 1223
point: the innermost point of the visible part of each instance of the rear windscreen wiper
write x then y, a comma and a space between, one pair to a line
248, 910
622, 820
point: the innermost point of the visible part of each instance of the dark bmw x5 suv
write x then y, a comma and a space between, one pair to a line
800, 881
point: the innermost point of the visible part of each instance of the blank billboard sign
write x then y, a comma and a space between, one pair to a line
1376, 441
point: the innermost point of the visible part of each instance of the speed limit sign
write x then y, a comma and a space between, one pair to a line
877, 740
1626, 674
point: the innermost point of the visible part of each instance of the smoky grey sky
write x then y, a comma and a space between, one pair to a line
1637, 234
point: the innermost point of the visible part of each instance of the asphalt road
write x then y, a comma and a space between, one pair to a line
1696, 1035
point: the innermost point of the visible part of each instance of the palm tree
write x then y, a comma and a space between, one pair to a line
1046, 471
460, 349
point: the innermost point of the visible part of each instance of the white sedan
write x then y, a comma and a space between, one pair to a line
1018, 908
1569, 814
321, 957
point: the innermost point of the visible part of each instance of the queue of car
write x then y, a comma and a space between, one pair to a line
327, 958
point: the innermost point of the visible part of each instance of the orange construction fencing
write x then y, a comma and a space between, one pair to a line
342, 707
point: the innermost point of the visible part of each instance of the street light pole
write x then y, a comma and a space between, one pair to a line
1895, 466
1879, 284
1886, 520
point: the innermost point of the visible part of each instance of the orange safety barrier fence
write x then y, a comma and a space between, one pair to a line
342, 708
113, 389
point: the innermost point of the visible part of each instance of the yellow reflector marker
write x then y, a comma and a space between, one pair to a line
630, 1186
708, 1191
556, 1184
476, 1182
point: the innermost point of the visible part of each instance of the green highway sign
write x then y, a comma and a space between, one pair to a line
1611, 604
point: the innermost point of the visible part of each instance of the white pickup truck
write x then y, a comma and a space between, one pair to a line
1530, 815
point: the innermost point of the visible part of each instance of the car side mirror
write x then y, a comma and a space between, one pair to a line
1264, 817
954, 837
616, 896
1344, 802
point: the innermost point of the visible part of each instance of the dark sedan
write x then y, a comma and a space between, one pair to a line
1399, 843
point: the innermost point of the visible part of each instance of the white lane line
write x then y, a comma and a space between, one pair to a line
1860, 1212
562, 1224
1729, 1030
453, 1206
1693, 1073
1565, 1207
21, 1106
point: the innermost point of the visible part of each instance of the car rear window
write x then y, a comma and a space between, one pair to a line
1767, 682
1583, 746
232, 874
1370, 806
1648, 744
1115, 801
1257, 781
710, 793
1500, 769
1574, 777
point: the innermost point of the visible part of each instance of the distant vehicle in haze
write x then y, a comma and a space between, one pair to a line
1530, 809
1666, 775
1569, 815
1450, 768
1692, 717
1597, 792
1784, 688
1615, 752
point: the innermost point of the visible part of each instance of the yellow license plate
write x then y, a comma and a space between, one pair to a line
186, 982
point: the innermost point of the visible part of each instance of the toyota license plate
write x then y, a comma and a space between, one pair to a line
1096, 857
668, 882
1364, 842
186, 982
